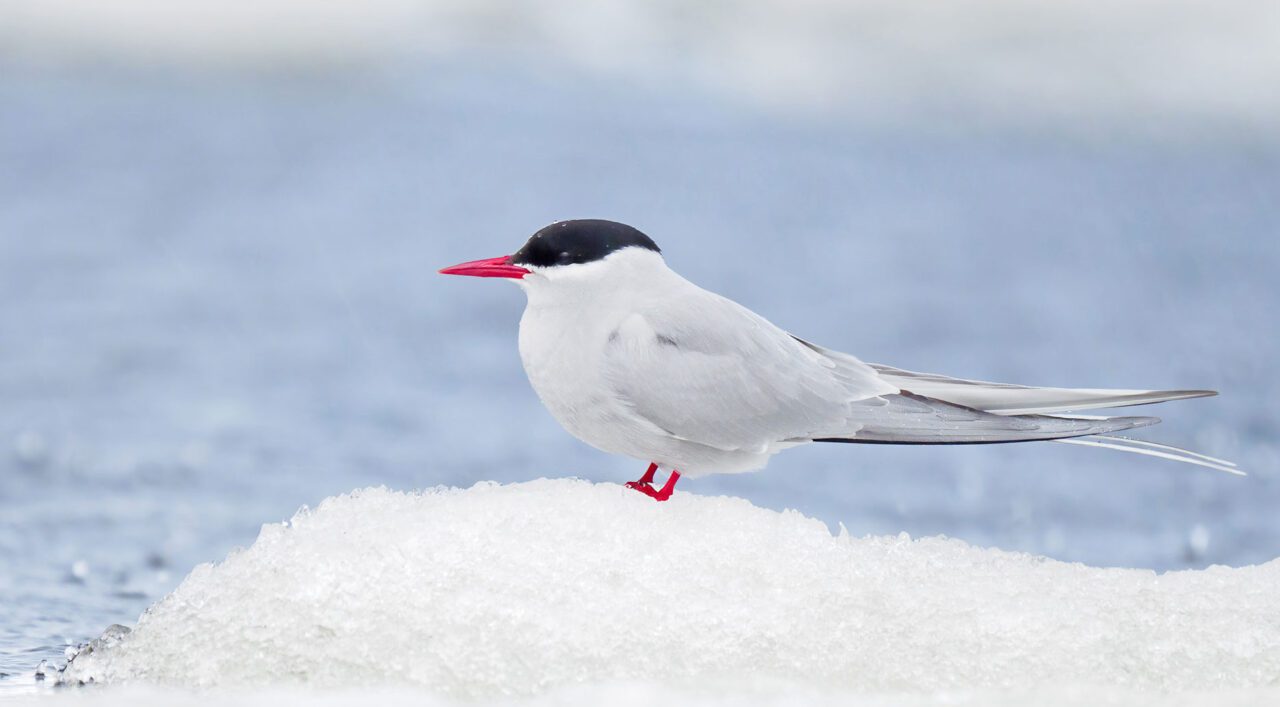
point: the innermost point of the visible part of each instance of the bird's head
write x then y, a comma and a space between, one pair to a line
581, 252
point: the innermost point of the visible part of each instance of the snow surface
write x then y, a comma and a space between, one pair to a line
554, 585
625, 694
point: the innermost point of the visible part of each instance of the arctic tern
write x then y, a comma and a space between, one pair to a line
633, 359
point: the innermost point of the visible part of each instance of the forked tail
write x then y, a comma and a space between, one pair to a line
1154, 449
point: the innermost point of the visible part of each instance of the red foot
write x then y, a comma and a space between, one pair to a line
643, 484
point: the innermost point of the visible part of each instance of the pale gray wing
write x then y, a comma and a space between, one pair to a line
1009, 399
707, 370
907, 418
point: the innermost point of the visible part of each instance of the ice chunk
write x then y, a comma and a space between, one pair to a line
520, 589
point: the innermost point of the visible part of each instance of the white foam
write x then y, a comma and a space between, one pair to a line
528, 588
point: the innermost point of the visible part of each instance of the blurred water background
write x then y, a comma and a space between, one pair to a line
220, 226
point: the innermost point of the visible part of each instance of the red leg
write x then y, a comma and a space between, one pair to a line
643, 482
661, 494
665, 492
648, 473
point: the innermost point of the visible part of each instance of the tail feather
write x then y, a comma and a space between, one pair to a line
907, 418
1154, 449
1165, 447
1010, 399
937, 409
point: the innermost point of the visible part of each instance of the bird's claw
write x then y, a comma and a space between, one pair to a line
661, 494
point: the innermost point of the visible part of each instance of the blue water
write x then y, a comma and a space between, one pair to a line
218, 303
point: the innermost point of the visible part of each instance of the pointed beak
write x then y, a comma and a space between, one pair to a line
489, 267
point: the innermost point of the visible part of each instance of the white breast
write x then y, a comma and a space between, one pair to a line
562, 349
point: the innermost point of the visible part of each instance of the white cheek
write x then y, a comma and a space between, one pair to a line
532, 279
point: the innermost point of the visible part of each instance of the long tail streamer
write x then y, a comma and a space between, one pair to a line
1154, 449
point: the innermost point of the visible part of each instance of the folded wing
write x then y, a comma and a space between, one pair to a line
712, 372
907, 418
709, 371
1008, 399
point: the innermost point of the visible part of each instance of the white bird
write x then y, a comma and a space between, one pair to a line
633, 359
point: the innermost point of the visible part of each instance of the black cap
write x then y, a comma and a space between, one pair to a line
579, 241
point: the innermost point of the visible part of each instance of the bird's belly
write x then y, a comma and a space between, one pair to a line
564, 367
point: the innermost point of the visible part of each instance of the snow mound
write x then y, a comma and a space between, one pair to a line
524, 588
